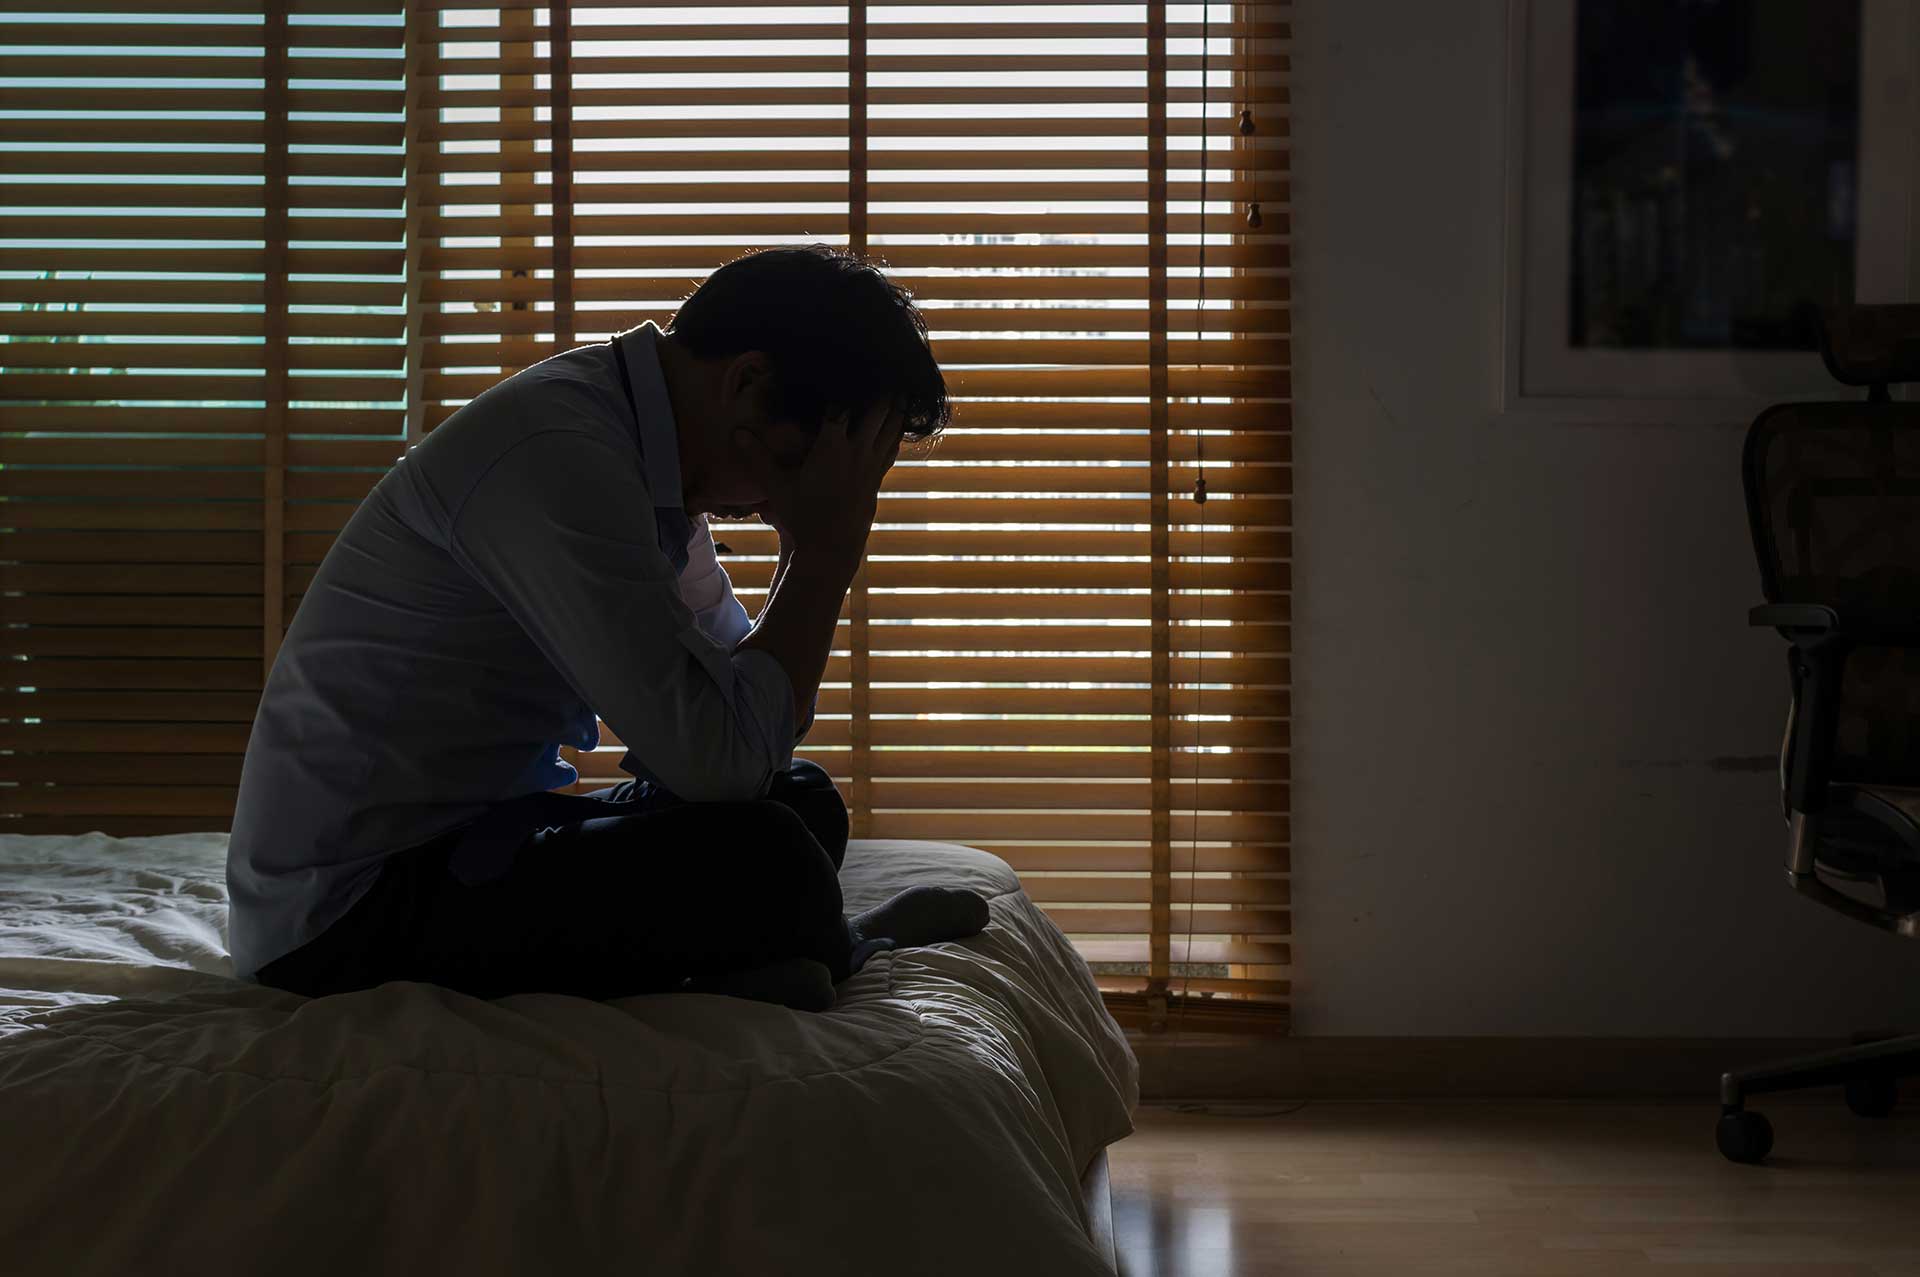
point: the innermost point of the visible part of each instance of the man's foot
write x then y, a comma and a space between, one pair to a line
917, 916
798, 983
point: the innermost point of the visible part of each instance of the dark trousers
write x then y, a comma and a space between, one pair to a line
625, 891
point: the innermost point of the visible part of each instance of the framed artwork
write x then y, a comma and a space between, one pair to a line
1688, 183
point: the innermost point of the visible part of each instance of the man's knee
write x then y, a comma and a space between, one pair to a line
810, 793
804, 774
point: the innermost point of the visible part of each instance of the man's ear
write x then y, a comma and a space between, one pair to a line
746, 385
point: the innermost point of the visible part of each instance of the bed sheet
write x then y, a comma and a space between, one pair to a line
159, 1114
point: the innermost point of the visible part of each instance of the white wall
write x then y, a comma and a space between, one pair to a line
1529, 717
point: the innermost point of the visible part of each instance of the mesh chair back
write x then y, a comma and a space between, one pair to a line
1833, 494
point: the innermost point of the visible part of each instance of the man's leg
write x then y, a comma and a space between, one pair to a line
620, 905
811, 794
805, 788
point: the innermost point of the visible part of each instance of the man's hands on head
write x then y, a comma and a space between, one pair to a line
823, 509
825, 505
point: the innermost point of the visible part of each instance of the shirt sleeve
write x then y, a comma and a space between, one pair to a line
708, 591
561, 530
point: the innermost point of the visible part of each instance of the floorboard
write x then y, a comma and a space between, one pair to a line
1540, 1188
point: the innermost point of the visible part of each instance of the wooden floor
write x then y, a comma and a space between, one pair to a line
1535, 1188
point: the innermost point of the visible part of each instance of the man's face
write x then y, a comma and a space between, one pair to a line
722, 480
731, 489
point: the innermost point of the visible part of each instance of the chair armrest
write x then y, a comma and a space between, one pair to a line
1816, 620
1821, 643
1794, 616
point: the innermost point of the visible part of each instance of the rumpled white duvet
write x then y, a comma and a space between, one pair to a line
158, 1116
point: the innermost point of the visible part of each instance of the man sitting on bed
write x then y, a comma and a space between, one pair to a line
543, 558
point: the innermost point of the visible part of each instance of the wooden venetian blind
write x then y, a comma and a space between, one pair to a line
200, 287
1054, 651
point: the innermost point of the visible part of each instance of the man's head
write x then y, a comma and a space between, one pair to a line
775, 342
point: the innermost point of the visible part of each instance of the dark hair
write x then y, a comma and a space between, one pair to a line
840, 333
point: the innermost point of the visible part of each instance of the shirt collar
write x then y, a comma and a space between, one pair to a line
659, 434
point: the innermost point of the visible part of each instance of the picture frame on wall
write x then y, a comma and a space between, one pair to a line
1688, 183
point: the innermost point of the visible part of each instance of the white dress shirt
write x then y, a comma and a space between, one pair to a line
525, 568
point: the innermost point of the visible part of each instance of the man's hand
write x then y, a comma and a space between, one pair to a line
825, 506
824, 509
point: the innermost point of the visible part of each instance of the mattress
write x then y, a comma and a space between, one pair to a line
161, 1115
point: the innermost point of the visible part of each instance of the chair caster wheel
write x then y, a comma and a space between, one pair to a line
1743, 1136
1872, 1096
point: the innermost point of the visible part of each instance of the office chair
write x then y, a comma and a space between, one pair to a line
1833, 496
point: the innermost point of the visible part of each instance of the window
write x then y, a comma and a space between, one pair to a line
201, 322
1054, 651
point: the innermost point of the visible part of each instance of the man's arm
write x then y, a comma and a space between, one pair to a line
824, 509
562, 532
706, 588
797, 625
780, 568
812, 707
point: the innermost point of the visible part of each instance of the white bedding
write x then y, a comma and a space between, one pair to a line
157, 1115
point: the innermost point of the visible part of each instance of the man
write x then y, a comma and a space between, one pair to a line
542, 558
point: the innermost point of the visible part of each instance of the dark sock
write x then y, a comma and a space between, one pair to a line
917, 916
799, 983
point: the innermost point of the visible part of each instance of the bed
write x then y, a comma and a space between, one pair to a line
160, 1115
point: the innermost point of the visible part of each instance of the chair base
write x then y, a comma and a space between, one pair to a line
1869, 1071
